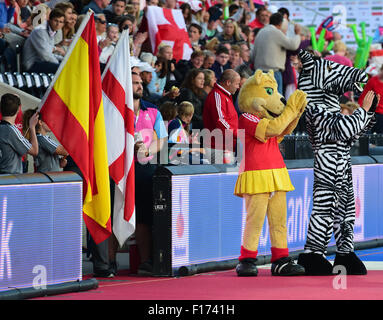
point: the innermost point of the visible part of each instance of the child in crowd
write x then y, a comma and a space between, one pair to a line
112, 35
13, 146
168, 111
157, 84
179, 132
48, 158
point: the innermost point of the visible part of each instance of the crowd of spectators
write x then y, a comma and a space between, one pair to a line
199, 93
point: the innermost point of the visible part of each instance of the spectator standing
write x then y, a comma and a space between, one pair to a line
219, 113
270, 48
339, 56
48, 158
13, 146
39, 52
262, 18
375, 84
192, 91
148, 120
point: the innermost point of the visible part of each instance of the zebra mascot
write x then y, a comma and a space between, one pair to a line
332, 135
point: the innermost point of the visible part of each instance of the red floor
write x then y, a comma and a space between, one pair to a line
225, 285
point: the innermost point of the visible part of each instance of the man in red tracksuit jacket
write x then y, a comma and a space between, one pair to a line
219, 113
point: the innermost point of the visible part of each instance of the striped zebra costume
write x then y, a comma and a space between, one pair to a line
331, 135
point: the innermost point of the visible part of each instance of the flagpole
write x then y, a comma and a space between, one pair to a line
67, 55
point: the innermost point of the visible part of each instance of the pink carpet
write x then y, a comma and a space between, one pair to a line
225, 285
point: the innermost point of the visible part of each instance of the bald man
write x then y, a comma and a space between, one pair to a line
219, 113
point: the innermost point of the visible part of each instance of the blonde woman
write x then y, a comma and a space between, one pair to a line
231, 32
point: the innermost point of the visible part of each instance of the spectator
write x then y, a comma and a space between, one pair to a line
39, 52
67, 8
196, 61
187, 14
290, 26
235, 57
179, 131
219, 113
211, 30
96, 5
146, 146
157, 84
245, 53
244, 76
339, 56
116, 12
168, 111
47, 159
247, 35
209, 59
170, 4
13, 146
262, 18
174, 77
210, 80
221, 61
100, 21
127, 21
231, 32
147, 76
111, 35
270, 48
375, 84
192, 91
195, 32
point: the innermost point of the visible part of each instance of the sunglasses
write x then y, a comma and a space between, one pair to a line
101, 21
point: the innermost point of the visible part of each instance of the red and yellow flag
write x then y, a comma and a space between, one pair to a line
73, 109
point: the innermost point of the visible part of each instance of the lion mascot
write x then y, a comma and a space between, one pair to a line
263, 178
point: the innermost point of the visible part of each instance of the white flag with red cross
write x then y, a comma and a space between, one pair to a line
117, 94
167, 26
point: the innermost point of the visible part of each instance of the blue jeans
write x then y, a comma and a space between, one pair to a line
278, 78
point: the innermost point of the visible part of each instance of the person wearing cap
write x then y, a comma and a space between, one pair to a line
146, 76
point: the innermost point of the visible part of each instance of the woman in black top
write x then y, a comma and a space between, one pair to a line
192, 91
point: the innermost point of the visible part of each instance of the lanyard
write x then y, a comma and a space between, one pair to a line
137, 116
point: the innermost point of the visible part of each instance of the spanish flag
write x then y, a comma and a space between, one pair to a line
72, 107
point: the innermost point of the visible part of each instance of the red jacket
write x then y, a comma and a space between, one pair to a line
255, 24
219, 113
375, 85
